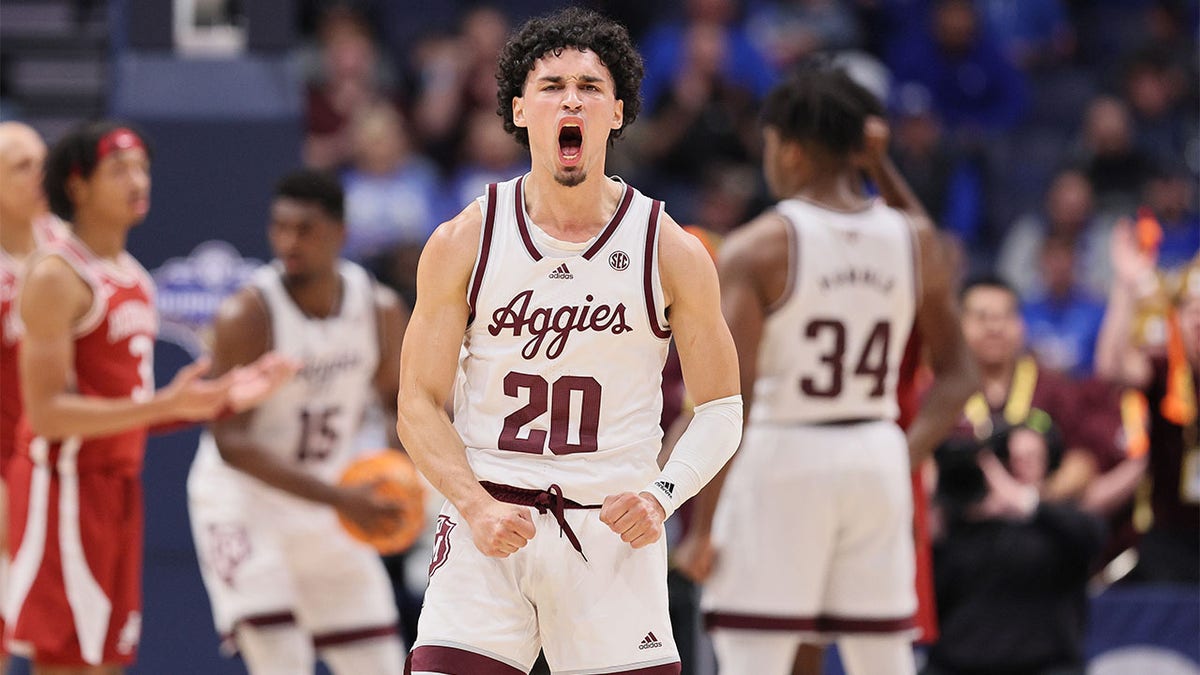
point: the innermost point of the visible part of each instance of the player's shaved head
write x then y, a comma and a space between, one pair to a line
22, 156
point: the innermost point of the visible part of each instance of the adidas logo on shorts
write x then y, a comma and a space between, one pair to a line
649, 642
561, 272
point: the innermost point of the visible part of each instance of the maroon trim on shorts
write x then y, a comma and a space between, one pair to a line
334, 638
817, 624
489, 225
650, 268
262, 620
522, 226
439, 659
609, 229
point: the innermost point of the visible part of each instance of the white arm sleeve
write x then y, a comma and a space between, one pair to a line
706, 445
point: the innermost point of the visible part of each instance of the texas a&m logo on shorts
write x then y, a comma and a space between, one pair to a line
441, 543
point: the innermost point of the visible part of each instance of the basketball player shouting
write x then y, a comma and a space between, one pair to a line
812, 533
557, 287
282, 574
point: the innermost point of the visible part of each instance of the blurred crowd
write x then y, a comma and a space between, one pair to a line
1056, 142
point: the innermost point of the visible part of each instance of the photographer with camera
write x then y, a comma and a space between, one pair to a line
1011, 570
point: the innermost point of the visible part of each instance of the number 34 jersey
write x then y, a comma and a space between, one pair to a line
561, 370
311, 422
832, 346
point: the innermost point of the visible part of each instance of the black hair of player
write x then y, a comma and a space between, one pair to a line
821, 105
989, 280
570, 28
316, 187
77, 153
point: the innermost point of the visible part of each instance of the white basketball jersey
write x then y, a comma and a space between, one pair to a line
312, 420
831, 348
561, 371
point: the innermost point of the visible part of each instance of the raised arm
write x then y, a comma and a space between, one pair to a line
954, 374
892, 187
428, 363
1117, 358
53, 299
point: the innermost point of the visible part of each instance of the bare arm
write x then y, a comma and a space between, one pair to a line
53, 299
1116, 357
892, 187
753, 275
954, 374
428, 363
392, 320
710, 373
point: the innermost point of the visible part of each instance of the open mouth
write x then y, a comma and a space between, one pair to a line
570, 143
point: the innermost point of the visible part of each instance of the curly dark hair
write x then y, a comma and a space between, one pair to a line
77, 152
577, 28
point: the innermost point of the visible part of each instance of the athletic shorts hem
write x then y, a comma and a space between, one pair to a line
818, 625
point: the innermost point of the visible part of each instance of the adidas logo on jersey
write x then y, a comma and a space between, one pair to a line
561, 272
649, 642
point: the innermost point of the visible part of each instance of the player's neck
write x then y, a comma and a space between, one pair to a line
996, 379
17, 238
834, 189
318, 296
106, 240
575, 213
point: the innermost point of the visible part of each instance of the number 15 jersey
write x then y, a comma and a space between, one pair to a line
832, 346
561, 368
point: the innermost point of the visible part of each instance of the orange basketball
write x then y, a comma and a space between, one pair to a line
397, 480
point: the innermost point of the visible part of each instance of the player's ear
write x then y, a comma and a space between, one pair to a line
618, 114
518, 110
76, 187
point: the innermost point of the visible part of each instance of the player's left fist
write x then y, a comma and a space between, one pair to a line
638, 518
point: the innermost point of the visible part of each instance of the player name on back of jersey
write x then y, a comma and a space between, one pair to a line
858, 276
560, 322
130, 318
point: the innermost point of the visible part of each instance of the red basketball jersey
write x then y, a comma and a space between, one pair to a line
45, 230
114, 350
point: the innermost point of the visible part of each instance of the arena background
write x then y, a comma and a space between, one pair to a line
224, 107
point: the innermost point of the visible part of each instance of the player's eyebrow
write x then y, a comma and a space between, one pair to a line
559, 79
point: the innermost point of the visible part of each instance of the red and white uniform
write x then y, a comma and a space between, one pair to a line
814, 525
45, 230
75, 505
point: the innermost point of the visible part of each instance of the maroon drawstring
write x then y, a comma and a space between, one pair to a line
549, 501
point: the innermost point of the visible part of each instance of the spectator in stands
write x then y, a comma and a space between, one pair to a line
1170, 194
391, 198
489, 155
351, 77
1114, 164
668, 49
975, 87
1170, 550
788, 31
457, 77
1011, 570
1034, 35
1063, 320
1069, 212
704, 118
1014, 384
943, 179
1155, 86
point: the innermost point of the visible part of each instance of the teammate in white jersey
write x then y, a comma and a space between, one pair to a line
557, 288
282, 574
811, 537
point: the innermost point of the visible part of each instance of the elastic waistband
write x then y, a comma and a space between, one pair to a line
840, 422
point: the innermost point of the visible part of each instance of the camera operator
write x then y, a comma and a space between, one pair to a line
1011, 571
